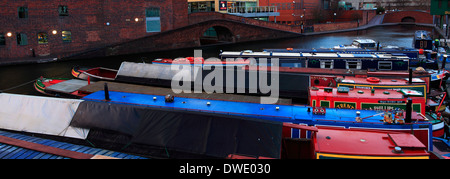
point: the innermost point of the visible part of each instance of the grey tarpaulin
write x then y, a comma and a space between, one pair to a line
200, 133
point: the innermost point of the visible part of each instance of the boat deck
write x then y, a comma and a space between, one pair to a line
68, 86
132, 88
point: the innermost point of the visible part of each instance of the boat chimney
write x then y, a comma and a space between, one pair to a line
408, 110
410, 76
444, 59
107, 93
378, 46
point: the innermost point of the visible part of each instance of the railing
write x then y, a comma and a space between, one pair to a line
252, 9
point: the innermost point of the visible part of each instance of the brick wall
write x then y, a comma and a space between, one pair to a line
86, 21
334, 26
420, 17
292, 10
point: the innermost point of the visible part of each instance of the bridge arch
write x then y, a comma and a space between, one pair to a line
216, 34
408, 19
408, 16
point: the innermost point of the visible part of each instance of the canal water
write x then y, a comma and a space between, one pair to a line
19, 78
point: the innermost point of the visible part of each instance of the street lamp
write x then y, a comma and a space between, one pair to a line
334, 17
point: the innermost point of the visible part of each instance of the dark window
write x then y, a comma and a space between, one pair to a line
23, 12
385, 65
63, 11
2, 39
22, 39
42, 38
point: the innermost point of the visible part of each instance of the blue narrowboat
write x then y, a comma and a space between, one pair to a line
392, 61
303, 115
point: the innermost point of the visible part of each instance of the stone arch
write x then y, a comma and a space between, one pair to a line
216, 34
408, 19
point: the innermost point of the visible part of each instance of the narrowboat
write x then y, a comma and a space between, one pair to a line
335, 144
343, 97
94, 74
394, 61
304, 115
199, 61
422, 40
417, 57
42, 83
339, 143
60, 87
373, 99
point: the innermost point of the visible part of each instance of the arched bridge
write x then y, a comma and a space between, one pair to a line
203, 29
408, 17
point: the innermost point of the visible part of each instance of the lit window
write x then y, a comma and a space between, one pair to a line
2, 39
153, 20
66, 36
22, 39
23, 12
42, 38
63, 11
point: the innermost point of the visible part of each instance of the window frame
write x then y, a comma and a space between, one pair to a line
358, 65
46, 39
151, 17
2, 42
24, 13
62, 36
385, 63
22, 36
323, 64
60, 10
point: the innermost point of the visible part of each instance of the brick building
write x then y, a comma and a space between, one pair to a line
58, 28
293, 12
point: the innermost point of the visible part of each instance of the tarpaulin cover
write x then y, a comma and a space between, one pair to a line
208, 134
43, 115
154, 74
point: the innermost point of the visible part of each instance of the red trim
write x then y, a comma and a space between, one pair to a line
44, 148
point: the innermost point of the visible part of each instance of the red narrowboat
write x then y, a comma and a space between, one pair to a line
94, 74
376, 99
60, 87
363, 144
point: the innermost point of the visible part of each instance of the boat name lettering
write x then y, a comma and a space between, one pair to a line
383, 101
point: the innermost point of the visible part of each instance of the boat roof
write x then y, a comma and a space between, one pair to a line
362, 94
313, 54
383, 81
364, 41
20, 146
282, 113
368, 143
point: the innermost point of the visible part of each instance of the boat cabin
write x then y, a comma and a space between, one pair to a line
423, 40
363, 144
394, 61
383, 84
377, 99
359, 44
